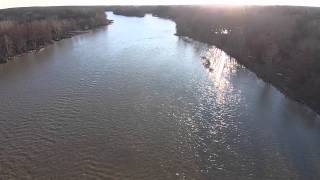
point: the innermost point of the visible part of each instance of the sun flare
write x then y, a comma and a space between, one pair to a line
19, 3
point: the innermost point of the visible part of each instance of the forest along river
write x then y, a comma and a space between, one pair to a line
133, 101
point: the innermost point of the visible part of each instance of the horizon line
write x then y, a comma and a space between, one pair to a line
209, 4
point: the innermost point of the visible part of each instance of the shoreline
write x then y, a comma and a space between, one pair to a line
29, 29
259, 72
259, 75
275, 77
67, 36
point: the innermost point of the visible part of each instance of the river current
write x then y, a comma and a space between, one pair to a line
134, 101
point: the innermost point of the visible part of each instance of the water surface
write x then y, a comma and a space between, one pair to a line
133, 101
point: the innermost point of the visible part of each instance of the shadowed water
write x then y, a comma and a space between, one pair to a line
133, 101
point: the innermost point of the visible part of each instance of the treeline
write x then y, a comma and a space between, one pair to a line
135, 11
26, 29
281, 44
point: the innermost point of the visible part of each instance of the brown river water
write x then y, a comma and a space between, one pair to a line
133, 101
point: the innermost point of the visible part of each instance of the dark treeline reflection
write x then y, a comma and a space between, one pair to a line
280, 44
25, 29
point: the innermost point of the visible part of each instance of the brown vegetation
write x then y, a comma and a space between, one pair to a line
25, 29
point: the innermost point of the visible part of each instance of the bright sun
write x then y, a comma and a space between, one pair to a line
19, 3
238, 2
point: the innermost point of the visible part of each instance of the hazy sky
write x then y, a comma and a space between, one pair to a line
19, 3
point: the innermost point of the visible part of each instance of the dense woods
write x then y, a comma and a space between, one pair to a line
25, 29
131, 11
281, 44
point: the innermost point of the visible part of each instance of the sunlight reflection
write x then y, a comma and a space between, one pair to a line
219, 66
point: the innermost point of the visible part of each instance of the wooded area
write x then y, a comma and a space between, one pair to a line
26, 29
281, 44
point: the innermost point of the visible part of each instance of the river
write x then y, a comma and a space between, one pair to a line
134, 101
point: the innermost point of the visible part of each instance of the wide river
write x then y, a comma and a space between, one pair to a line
134, 101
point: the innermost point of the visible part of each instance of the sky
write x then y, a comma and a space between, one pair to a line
23, 3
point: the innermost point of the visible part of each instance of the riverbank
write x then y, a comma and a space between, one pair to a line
132, 101
24, 30
277, 43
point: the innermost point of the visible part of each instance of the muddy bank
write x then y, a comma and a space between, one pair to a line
279, 44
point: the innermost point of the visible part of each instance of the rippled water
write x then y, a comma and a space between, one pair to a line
133, 101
